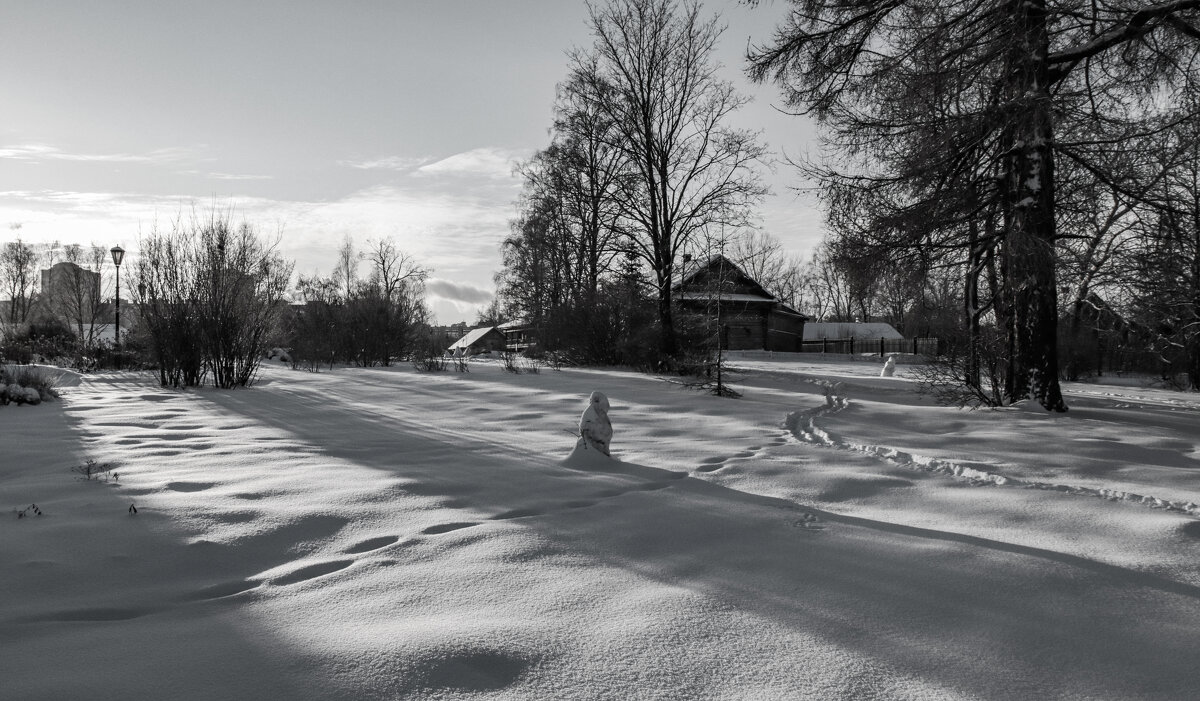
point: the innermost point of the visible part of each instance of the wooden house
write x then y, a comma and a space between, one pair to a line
749, 317
480, 340
519, 335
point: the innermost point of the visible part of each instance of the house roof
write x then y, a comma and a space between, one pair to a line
815, 331
752, 291
726, 297
697, 268
471, 337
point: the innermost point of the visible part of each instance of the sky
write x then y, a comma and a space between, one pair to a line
315, 121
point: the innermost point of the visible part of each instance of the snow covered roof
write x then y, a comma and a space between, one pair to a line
815, 331
514, 324
470, 337
725, 297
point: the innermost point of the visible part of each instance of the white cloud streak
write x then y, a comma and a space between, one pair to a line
41, 152
238, 176
398, 163
489, 162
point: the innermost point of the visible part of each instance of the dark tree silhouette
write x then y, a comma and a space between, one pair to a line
954, 118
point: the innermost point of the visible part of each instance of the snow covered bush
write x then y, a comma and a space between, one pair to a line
17, 394
26, 385
280, 355
38, 342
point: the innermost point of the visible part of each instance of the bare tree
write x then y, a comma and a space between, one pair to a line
651, 75
1163, 259
563, 245
18, 278
763, 258
390, 303
345, 269
167, 278
313, 329
76, 294
379, 319
588, 171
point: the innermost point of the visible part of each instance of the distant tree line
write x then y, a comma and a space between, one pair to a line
209, 298
367, 321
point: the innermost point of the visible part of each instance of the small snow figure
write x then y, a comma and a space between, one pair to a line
889, 367
595, 430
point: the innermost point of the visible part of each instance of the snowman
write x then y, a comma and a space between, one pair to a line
595, 430
889, 367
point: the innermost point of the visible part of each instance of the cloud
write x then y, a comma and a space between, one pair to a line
42, 152
236, 176
489, 162
387, 163
457, 292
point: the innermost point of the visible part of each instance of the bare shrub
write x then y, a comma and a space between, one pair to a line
963, 379
509, 359
429, 362
90, 467
212, 300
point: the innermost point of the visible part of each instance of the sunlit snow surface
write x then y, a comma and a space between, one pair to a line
385, 534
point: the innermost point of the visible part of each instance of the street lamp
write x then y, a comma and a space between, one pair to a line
118, 253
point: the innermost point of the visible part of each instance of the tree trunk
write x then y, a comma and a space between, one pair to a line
668, 344
1029, 194
971, 303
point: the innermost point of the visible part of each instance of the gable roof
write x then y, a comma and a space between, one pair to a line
696, 272
471, 337
694, 284
514, 324
815, 331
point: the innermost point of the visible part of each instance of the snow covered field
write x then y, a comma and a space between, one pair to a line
382, 533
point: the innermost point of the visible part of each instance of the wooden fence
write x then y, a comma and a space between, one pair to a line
882, 346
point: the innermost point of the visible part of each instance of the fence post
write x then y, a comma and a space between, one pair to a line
914, 345
824, 344
881, 346
851, 345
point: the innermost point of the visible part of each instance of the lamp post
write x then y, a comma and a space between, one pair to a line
118, 253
